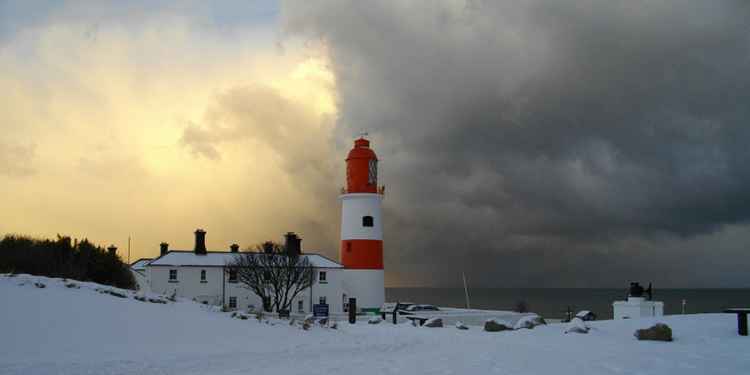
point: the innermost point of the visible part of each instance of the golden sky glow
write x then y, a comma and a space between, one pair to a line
110, 132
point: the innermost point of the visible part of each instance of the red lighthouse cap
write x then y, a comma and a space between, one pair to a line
361, 168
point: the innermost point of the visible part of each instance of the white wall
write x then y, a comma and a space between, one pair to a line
188, 285
353, 208
367, 286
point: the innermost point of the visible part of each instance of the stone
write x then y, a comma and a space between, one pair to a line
460, 325
434, 323
375, 320
577, 326
657, 332
323, 321
494, 325
529, 322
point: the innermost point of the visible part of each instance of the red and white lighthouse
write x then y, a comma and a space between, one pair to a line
361, 250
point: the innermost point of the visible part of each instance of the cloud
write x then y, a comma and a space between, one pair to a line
518, 136
16, 160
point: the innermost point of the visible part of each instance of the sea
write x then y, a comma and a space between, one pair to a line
554, 303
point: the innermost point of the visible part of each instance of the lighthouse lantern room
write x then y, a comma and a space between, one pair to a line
362, 227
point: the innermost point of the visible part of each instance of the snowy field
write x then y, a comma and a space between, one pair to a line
61, 330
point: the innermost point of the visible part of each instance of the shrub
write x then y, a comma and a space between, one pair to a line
657, 332
64, 259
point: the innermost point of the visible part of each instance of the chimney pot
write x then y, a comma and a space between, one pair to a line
163, 248
234, 248
112, 249
200, 242
293, 244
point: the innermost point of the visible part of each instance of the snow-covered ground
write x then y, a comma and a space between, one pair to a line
61, 330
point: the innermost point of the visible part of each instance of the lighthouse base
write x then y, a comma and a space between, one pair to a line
367, 286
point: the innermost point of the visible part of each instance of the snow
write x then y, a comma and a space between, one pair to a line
140, 264
61, 330
219, 259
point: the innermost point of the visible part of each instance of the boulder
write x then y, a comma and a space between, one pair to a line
577, 326
434, 323
323, 321
375, 320
333, 325
657, 332
460, 325
494, 325
529, 322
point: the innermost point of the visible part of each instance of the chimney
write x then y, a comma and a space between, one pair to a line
200, 242
234, 248
268, 247
293, 244
112, 250
163, 248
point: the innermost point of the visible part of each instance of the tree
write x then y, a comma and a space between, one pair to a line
273, 274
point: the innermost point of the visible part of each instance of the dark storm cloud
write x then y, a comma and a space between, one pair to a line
547, 142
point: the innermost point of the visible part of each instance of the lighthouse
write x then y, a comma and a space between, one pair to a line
361, 250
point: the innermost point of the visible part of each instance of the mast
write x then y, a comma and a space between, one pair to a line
466, 290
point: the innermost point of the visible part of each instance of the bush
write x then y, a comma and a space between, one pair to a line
657, 332
493, 325
61, 258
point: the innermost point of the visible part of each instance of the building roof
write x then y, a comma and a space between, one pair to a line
140, 264
176, 258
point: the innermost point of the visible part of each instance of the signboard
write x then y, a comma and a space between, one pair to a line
320, 310
388, 307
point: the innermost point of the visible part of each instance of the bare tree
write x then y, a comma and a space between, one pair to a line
273, 274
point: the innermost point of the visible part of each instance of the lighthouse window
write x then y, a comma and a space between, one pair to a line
372, 177
367, 221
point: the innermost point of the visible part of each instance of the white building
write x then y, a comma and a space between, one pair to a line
202, 275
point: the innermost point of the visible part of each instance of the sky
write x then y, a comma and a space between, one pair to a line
570, 143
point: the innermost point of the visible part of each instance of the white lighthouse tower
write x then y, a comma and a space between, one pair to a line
361, 250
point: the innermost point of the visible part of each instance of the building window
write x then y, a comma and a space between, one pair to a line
232, 276
322, 300
367, 221
203, 276
232, 302
301, 306
172, 276
322, 277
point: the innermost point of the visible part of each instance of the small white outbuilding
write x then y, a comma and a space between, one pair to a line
637, 307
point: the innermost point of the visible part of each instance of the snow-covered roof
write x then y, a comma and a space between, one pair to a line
140, 264
217, 259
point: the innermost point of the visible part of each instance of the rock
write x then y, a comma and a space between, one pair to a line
460, 325
309, 320
72, 285
434, 323
529, 322
39, 285
323, 321
306, 325
494, 325
333, 325
374, 320
577, 326
657, 332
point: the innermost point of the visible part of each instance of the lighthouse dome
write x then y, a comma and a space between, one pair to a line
361, 168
